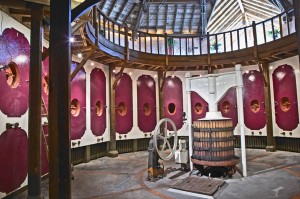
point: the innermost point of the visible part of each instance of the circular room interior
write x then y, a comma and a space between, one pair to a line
149, 99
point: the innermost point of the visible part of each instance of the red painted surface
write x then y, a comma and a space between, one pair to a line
284, 84
146, 96
228, 106
13, 159
124, 122
78, 91
98, 94
198, 112
44, 160
254, 99
172, 93
14, 47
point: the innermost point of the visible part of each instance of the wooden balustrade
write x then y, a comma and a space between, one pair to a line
195, 44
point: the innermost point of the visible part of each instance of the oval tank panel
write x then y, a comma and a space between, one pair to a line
199, 106
228, 106
124, 109
254, 100
173, 101
14, 80
146, 97
285, 97
78, 105
13, 159
98, 102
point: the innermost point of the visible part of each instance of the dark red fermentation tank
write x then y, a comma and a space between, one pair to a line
173, 101
285, 97
98, 102
14, 86
124, 109
13, 159
228, 106
78, 104
254, 100
146, 97
199, 106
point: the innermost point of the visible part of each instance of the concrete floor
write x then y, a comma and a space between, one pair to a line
270, 175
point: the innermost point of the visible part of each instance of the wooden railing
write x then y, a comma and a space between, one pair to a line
194, 44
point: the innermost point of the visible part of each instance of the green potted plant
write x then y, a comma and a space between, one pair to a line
276, 33
215, 46
171, 44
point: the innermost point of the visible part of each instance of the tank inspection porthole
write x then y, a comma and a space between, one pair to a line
254, 105
171, 108
99, 108
146, 109
122, 109
226, 107
46, 84
75, 107
285, 104
12, 74
198, 108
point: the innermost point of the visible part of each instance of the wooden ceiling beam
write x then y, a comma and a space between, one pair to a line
191, 20
26, 19
174, 19
103, 4
121, 10
183, 18
148, 17
157, 14
166, 17
14, 11
111, 8
129, 13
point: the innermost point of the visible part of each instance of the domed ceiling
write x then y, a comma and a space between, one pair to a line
193, 16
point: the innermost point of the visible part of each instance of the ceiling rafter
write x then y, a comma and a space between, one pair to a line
148, 17
166, 17
191, 20
130, 12
103, 4
121, 10
111, 8
174, 19
183, 18
157, 15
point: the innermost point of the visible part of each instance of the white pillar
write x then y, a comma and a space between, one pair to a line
189, 118
88, 98
239, 91
212, 90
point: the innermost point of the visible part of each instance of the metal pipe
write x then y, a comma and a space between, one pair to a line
239, 92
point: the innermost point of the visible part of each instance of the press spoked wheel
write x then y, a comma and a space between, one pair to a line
162, 139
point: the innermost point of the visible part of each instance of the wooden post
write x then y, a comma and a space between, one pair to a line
208, 55
95, 25
161, 96
296, 5
59, 100
268, 104
112, 99
35, 102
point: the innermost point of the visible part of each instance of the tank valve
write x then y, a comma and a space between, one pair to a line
13, 125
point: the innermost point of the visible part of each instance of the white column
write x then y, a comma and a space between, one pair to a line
212, 94
189, 119
239, 91
88, 98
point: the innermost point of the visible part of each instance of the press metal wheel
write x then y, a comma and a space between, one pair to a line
161, 139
